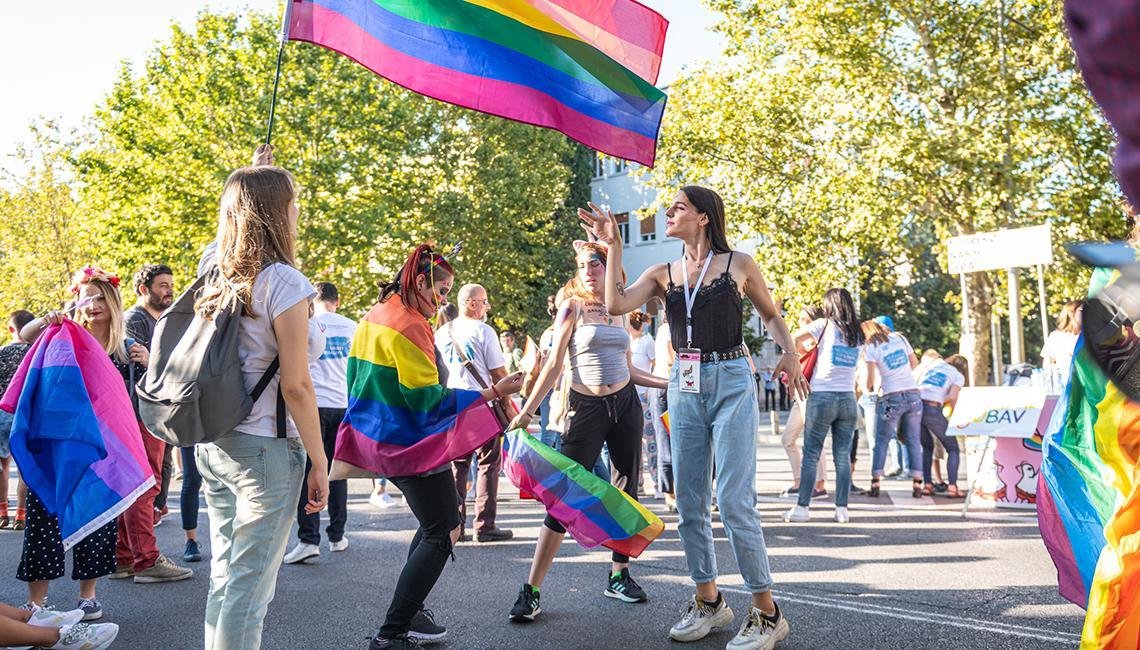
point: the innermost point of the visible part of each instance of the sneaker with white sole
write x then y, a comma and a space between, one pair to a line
698, 618
760, 632
841, 515
424, 627
92, 610
339, 545
48, 617
163, 571
623, 587
383, 500
86, 636
302, 552
798, 514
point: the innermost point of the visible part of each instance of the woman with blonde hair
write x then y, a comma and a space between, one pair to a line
253, 475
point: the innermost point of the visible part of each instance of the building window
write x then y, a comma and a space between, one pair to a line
649, 228
620, 166
623, 227
599, 166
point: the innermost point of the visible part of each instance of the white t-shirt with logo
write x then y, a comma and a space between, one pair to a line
330, 370
835, 365
936, 378
480, 345
892, 360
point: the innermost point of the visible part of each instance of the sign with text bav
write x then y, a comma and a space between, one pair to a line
1001, 249
998, 411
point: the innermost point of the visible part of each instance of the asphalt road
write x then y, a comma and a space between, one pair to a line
905, 574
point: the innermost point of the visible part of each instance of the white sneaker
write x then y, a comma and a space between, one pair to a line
699, 618
47, 617
382, 500
798, 514
841, 515
337, 547
86, 636
302, 552
760, 633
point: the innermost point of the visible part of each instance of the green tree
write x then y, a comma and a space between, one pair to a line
846, 135
379, 168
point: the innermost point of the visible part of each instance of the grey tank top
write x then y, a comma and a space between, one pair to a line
598, 354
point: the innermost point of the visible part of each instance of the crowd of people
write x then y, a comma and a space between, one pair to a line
680, 405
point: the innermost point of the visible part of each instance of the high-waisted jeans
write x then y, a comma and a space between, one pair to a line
718, 424
934, 425
834, 412
902, 409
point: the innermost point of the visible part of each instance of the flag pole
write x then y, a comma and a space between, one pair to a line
277, 73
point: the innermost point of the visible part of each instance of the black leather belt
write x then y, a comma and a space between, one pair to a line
723, 355
929, 402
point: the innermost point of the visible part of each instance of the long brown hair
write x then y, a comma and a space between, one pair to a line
253, 232
961, 364
875, 333
1070, 319
711, 205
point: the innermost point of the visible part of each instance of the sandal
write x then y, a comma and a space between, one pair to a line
916, 488
929, 490
874, 491
952, 492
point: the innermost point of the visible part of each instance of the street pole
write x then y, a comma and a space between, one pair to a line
1041, 300
995, 339
1016, 334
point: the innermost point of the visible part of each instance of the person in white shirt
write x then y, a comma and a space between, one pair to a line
1057, 353
891, 359
642, 350
330, 382
468, 337
664, 356
938, 383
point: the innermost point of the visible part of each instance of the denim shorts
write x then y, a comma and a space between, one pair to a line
5, 433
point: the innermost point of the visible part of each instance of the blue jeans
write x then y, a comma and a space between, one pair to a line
252, 486
934, 425
546, 436
720, 424
829, 412
902, 409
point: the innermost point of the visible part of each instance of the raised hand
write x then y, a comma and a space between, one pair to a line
599, 223
263, 155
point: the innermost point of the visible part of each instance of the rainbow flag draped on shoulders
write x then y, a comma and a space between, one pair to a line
586, 68
75, 437
400, 421
1088, 507
593, 511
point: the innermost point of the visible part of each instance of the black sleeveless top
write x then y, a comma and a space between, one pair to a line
718, 314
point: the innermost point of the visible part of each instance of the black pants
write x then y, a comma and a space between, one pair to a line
189, 501
42, 557
615, 420
433, 501
309, 525
785, 403
769, 399
167, 474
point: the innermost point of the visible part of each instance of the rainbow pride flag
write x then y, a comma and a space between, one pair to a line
1088, 509
583, 67
400, 420
593, 511
75, 437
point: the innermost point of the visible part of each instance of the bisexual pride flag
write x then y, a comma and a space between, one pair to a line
586, 68
75, 437
400, 420
593, 511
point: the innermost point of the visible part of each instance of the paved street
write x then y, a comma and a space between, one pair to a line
904, 574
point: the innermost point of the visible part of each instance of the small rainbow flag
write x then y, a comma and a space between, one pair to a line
665, 421
1088, 509
583, 67
593, 511
400, 421
75, 437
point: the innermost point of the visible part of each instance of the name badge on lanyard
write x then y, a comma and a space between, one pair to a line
690, 358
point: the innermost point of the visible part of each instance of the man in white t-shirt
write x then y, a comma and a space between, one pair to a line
330, 381
469, 338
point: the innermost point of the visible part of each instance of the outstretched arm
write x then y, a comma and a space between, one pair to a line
757, 291
563, 330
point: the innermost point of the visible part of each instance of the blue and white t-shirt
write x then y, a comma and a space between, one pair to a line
835, 366
892, 360
935, 380
330, 370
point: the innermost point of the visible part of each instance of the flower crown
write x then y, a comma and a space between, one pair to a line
90, 274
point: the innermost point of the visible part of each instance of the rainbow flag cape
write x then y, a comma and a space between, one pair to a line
400, 420
593, 511
583, 67
75, 437
1088, 508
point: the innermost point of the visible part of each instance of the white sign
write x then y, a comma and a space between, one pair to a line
1001, 249
997, 411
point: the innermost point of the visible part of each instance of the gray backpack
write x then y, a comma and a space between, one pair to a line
193, 390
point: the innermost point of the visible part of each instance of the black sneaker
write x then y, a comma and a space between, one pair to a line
424, 628
399, 643
192, 553
494, 535
623, 587
526, 605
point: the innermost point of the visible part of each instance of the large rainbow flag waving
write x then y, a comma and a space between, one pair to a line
74, 435
583, 67
593, 511
400, 421
1088, 508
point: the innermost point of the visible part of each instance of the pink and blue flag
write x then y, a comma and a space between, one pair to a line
75, 437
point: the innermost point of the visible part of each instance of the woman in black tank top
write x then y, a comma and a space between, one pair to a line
712, 400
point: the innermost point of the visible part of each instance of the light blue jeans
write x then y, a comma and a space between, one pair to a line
252, 487
899, 410
834, 412
718, 425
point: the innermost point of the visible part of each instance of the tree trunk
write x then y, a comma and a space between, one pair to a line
975, 342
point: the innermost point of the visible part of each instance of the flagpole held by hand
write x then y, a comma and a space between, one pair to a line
277, 73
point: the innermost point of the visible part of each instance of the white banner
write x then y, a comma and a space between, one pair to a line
1001, 249
997, 411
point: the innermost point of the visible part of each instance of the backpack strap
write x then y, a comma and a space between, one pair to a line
262, 384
